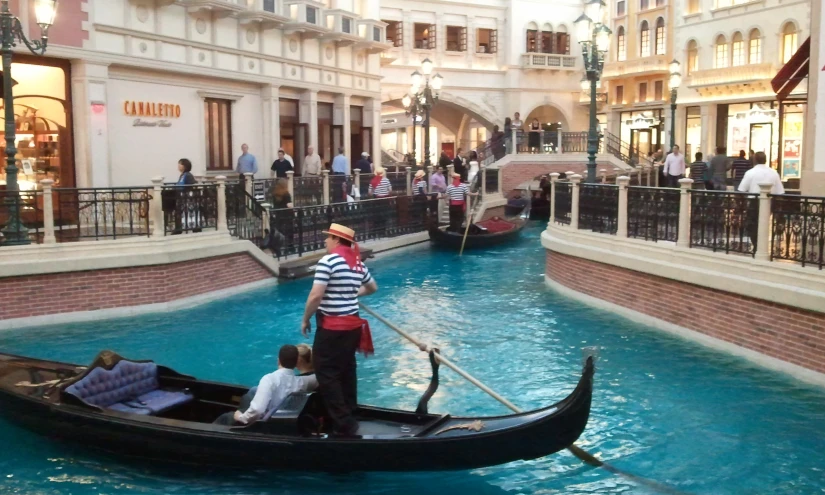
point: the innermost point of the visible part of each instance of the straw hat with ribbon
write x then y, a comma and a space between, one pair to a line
420, 174
340, 231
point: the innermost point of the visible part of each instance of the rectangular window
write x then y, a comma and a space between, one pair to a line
658, 90
693, 7
487, 41
693, 61
532, 41
738, 53
395, 32
456, 39
546, 42
619, 96
788, 47
312, 15
620, 8
721, 58
755, 55
376, 34
424, 36
644, 4
218, 115
622, 52
346, 25
660, 40
562, 46
269, 6
642, 92
645, 43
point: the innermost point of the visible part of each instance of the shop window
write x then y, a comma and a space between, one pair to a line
693, 7
644, 4
562, 41
532, 40
642, 92
692, 57
658, 90
621, 8
218, 134
789, 40
487, 41
621, 45
619, 96
737, 50
645, 40
660, 36
755, 47
425, 36
456, 39
720, 59
395, 32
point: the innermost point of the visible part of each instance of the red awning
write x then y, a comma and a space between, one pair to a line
793, 72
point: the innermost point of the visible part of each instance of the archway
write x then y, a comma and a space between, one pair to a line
550, 117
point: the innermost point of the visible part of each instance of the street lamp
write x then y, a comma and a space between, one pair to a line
424, 92
675, 81
11, 31
594, 38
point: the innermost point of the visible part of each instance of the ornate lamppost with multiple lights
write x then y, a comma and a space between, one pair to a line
11, 32
424, 93
675, 82
594, 37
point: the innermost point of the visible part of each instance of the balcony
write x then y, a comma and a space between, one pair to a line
218, 8
637, 67
268, 13
373, 36
741, 79
391, 55
550, 61
341, 27
305, 18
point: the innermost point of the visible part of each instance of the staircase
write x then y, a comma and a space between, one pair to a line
614, 145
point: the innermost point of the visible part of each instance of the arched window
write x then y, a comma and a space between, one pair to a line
738, 50
789, 40
755, 47
660, 36
645, 44
720, 59
692, 57
532, 38
621, 45
547, 38
562, 41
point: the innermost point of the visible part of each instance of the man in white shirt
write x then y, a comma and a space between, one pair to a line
288, 158
273, 389
674, 168
312, 162
761, 173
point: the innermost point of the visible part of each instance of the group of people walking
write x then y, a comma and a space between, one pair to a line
748, 172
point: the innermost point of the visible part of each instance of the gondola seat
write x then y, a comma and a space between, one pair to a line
128, 387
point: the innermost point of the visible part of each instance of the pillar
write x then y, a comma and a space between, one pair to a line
325, 178
156, 208
708, 116
483, 180
272, 125
341, 116
90, 112
621, 218
248, 183
356, 179
554, 177
372, 119
603, 175
409, 181
683, 236
48, 212
308, 114
763, 252
574, 209
222, 224
290, 183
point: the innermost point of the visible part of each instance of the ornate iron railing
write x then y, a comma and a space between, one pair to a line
29, 204
300, 230
724, 221
798, 229
189, 208
338, 188
563, 202
308, 190
574, 142
364, 184
398, 181
653, 213
491, 181
599, 207
244, 214
109, 213
262, 189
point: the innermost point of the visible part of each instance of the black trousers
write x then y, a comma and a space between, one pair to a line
456, 217
333, 354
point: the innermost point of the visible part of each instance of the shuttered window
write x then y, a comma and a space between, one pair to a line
218, 114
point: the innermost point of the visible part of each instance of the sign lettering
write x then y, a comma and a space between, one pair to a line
151, 109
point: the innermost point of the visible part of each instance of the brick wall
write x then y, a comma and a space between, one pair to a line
793, 335
119, 287
517, 173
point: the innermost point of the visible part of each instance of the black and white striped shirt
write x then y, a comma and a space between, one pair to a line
341, 295
421, 187
457, 193
382, 189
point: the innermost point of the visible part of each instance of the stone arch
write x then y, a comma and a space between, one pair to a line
485, 115
547, 111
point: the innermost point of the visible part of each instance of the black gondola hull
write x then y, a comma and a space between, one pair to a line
453, 240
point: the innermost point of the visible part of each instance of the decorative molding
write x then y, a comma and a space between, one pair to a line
220, 95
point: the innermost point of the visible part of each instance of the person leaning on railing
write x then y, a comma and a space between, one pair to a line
173, 200
761, 173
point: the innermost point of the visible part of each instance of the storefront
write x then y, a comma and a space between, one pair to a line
693, 132
643, 130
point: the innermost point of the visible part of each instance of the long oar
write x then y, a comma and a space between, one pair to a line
582, 454
467, 230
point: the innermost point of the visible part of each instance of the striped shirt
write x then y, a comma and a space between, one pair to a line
382, 189
341, 295
740, 166
457, 193
420, 187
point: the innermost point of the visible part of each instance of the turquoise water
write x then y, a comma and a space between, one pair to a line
663, 408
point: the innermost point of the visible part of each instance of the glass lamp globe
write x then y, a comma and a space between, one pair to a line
583, 28
427, 67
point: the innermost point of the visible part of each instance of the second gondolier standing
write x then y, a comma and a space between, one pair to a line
340, 279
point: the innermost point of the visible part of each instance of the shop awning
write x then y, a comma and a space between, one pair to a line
793, 72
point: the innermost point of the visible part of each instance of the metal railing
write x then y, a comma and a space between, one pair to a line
101, 213
724, 221
798, 229
29, 205
491, 181
338, 188
598, 207
653, 213
244, 214
574, 142
398, 181
189, 208
300, 230
308, 190
562, 202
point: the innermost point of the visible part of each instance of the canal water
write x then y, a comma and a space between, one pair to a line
664, 408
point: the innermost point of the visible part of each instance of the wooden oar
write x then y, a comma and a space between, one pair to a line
580, 453
467, 230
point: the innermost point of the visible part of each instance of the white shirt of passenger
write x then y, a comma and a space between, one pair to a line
761, 174
273, 389
674, 165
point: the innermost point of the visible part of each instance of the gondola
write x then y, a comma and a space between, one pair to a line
172, 422
484, 234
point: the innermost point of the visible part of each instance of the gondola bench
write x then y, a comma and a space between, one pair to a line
128, 387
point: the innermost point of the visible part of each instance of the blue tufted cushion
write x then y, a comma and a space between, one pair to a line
127, 380
158, 401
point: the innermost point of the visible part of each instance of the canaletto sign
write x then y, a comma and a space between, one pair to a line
158, 112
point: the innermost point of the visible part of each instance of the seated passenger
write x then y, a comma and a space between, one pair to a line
305, 366
272, 389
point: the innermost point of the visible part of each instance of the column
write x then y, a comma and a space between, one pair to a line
341, 116
290, 183
91, 136
272, 125
409, 181
248, 183
574, 210
222, 224
308, 114
554, 177
603, 175
763, 251
708, 114
325, 177
372, 119
356, 180
156, 208
483, 180
48, 212
621, 218
683, 236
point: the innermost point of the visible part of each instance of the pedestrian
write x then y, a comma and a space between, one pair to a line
740, 166
288, 157
457, 194
340, 164
185, 168
247, 163
281, 166
534, 140
312, 163
719, 166
516, 123
419, 184
175, 203
698, 171
444, 160
340, 278
674, 168
497, 143
364, 164
280, 195
380, 186
472, 169
437, 182
761, 173
458, 164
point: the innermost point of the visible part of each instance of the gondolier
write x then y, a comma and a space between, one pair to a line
456, 195
340, 278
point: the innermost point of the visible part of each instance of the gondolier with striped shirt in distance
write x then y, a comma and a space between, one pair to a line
380, 185
457, 193
340, 279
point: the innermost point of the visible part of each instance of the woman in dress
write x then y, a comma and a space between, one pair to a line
535, 136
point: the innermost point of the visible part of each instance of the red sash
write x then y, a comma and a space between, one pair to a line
351, 322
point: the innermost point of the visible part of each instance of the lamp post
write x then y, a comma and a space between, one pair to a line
412, 112
423, 95
594, 38
675, 81
11, 32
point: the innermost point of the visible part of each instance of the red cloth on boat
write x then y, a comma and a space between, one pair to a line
496, 224
351, 322
352, 255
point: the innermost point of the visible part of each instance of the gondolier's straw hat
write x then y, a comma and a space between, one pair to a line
339, 230
380, 171
420, 174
